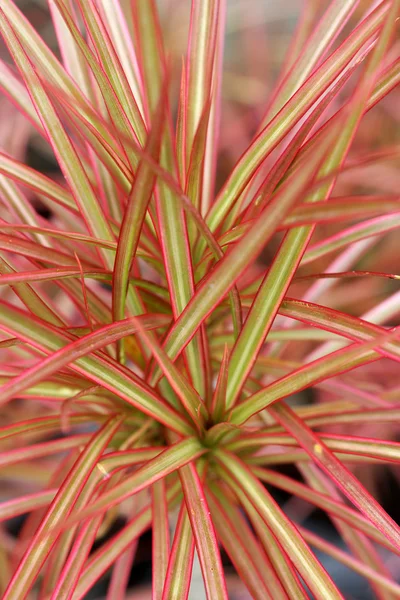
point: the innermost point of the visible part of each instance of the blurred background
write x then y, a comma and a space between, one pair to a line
258, 35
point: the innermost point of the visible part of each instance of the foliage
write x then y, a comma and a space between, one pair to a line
151, 357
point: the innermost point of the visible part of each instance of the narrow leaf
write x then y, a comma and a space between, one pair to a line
177, 580
204, 533
160, 537
166, 462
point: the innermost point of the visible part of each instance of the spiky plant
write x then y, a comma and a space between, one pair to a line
150, 358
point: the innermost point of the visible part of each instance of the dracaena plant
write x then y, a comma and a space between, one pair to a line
150, 358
